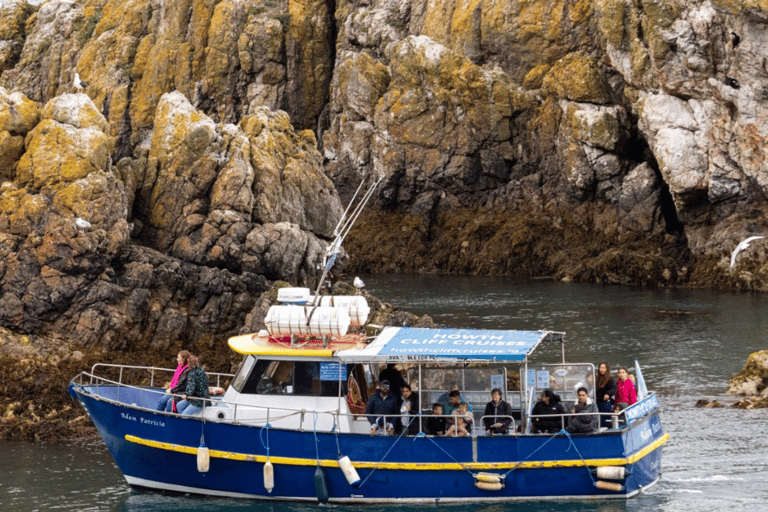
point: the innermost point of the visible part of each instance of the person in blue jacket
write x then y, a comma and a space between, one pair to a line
382, 410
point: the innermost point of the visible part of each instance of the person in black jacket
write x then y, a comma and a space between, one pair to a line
382, 410
549, 403
409, 410
498, 414
436, 424
605, 393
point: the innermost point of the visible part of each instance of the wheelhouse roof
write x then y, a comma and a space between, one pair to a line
412, 344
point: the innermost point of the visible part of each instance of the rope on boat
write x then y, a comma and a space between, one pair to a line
384, 457
266, 426
571, 443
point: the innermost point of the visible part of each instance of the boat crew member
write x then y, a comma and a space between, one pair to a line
583, 424
382, 410
498, 414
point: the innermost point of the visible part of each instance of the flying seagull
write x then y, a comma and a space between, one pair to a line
79, 84
743, 245
82, 223
358, 283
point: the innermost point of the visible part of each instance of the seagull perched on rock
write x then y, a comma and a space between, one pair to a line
743, 245
358, 283
79, 84
82, 223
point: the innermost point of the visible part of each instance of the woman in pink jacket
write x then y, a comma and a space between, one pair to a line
625, 388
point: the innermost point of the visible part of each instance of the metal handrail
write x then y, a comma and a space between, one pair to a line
287, 412
510, 427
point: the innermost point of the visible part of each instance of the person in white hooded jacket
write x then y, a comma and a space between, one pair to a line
583, 423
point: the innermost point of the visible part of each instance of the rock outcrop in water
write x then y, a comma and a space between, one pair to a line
213, 148
751, 382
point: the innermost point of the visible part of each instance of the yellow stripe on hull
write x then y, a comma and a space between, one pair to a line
414, 466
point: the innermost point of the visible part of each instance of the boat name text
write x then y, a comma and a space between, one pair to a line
145, 421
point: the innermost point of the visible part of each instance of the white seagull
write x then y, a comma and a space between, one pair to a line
358, 283
82, 223
743, 245
79, 84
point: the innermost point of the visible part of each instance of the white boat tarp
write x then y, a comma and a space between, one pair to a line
412, 344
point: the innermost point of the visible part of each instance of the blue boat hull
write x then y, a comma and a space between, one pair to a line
159, 451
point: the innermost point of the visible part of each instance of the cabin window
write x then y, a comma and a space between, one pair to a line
242, 373
306, 378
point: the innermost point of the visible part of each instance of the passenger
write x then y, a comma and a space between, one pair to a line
382, 410
436, 424
196, 390
395, 378
444, 398
454, 399
605, 392
178, 382
625, 388
549, 403
460, 422
583, 424
409, 410
619, 408
498, 414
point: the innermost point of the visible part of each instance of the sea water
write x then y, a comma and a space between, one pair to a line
688, 343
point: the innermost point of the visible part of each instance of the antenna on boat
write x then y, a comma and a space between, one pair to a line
340, 232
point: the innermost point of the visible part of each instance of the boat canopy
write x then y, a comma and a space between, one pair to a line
412, 344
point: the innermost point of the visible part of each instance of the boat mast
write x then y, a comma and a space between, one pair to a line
340, 232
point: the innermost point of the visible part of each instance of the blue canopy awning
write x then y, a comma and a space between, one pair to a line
411, 344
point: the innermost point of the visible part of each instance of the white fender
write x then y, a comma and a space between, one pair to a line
350, 473
269, 476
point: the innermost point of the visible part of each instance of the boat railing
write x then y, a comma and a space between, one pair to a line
135, 372
153, 370
618, 419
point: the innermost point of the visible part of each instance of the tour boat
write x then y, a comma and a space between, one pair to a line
291, 423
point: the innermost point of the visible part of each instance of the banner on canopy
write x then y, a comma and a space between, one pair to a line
411, 344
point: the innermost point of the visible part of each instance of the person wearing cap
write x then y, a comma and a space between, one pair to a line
382, 409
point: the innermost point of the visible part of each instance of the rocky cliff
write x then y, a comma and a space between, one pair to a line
212, 149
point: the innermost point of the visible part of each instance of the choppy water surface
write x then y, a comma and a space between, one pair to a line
688, 341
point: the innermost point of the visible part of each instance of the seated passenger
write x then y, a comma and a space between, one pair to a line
583, 424
382, 410
196, 390
618, 408
498, 414
460, 422
454, 399
549, 403
436, 425
178, 382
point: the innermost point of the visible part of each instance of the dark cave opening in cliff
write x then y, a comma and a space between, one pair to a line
640, 152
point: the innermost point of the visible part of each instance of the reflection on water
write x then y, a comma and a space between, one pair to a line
688, 341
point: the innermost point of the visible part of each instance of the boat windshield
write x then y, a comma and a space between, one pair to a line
285, 377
